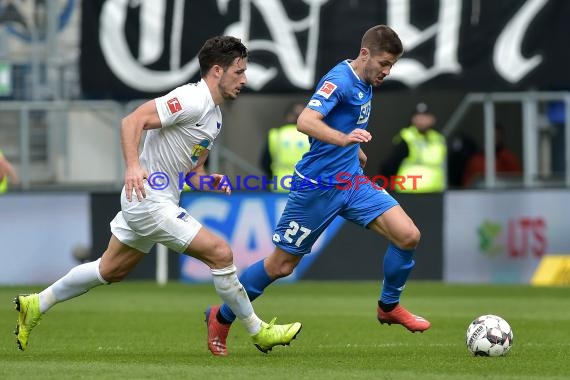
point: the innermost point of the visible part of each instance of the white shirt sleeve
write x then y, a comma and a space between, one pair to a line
181, 106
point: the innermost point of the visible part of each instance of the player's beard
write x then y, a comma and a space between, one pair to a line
371, 76
226, 93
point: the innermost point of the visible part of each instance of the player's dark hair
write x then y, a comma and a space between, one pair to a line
222, 51
382, 39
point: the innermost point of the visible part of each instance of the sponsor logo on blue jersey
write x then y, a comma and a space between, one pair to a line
315, 103
364, 113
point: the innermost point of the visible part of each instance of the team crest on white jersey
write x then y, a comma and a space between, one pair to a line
364, 113
198, 149
326, 89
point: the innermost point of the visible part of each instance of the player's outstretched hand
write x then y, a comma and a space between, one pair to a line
221, 183
134, 177
357, 136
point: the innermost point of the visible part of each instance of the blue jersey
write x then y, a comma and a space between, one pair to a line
345, 102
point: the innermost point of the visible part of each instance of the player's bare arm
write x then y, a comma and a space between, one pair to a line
311, 123
132, 126
362, 158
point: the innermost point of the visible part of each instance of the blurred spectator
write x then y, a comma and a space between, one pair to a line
284, 147
460, 149
419, 150
7, 174
556, 116
507, 163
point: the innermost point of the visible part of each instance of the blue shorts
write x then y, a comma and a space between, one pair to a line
311, 208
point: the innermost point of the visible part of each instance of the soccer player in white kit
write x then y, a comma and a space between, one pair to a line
182, 127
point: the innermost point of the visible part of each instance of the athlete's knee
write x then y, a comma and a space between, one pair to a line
113, 274
409, 239
283, 270
221, 254
118, 261
278, 266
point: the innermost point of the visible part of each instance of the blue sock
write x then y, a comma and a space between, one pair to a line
254, 279
398, 264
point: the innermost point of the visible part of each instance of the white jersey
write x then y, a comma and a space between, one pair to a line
190, 124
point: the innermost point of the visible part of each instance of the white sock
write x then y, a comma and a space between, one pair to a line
75, 283
232, 292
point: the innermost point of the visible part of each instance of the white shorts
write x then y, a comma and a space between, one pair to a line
142, 224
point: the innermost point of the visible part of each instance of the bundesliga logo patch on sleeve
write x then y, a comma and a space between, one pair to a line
174, 105
327, 89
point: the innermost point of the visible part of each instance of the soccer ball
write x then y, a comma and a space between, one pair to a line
489, 335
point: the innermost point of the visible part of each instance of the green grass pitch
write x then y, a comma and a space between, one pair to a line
138, 330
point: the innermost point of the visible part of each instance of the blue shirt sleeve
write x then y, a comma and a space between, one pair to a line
330, 92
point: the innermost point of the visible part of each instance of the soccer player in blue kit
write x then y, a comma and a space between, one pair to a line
335, 120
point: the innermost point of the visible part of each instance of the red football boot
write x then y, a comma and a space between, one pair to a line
217, 332
400, 316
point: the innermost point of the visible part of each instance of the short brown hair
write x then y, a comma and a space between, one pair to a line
220, 50
380, 39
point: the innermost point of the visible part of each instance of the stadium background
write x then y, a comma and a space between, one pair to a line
70, 69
